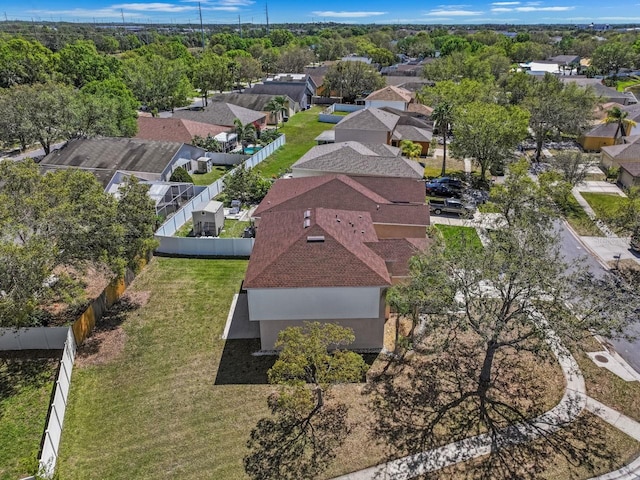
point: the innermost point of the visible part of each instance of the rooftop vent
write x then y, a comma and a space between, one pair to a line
315, 239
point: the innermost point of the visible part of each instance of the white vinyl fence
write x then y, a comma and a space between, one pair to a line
205, 246
214, 246
55, 419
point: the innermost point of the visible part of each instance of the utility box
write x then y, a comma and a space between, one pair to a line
208, 219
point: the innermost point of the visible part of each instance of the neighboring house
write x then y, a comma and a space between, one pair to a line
354, 158
111, 160
389, 96
608, 94
104, 156
626, 152
388, 126
602, 135
629, 175
396, 205
257, 102
567, 63
541, 67
224, 114
176, 129
370, 125
299, 87
356, 58
208, 219
312, 263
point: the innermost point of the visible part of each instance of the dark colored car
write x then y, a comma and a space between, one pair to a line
449, 182
441, 190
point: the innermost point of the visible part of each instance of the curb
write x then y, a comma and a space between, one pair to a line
585, 246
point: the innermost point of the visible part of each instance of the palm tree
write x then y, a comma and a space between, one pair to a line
442, 118
619, 116
246, 133
410, 149
277, 107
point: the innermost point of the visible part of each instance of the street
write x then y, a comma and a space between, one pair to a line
572, 249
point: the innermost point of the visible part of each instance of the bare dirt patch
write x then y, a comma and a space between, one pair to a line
108, 338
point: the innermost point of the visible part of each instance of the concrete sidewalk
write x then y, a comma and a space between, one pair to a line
569, 407
573, 402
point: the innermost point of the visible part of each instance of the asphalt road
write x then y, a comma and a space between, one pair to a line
573, 249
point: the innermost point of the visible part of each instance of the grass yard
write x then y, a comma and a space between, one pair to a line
233, 228
624, 84
605, 386
578, 219
185, 229
604, 205
26, 382
173, 401
300, 130
217, 171
456, 237
433, 166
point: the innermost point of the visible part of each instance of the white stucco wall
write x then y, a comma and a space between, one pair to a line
398, 105
327, 303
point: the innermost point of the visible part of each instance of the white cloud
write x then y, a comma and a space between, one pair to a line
84, 13
531, 9
154, 7
343, 14
505, 3
454, 13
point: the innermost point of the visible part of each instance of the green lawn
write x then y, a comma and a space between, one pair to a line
216, 172
578, 219
604, 205
25, 391
185, 229
177, 402
300, 130
623, 84
233, 228
459, 237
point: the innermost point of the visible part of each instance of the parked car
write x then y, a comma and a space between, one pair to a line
448, 181
450, 205
442, 190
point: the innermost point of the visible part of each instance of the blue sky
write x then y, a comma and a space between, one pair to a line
353, 11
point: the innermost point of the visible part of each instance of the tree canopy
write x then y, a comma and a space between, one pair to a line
59, 221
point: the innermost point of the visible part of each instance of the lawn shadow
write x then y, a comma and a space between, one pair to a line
239, 367
20, 369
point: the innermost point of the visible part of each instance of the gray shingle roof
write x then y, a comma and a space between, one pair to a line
294, 91
252, 101
220, 113
369, 119
111, 154
415, 134
354, 158
626, 151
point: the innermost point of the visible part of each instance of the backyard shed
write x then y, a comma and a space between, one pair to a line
208, 219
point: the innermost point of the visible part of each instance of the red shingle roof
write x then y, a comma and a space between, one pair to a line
283, 256
350, 193
175, 129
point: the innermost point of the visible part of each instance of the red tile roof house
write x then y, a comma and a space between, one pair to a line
176, 129
314, 262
